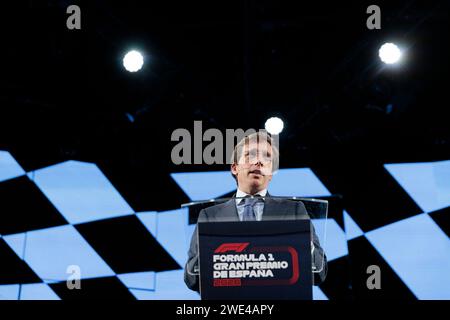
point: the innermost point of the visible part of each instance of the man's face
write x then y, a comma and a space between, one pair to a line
254, 168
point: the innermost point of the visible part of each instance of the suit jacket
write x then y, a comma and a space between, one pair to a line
274, 209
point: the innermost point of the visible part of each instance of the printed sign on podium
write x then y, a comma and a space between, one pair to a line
255, 260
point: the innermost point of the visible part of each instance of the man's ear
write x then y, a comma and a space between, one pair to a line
234, 169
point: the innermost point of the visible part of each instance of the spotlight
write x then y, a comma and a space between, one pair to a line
274, 125
390, 53
133, 61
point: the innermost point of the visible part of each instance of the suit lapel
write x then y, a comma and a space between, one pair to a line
228, 211
273, 209
269, 209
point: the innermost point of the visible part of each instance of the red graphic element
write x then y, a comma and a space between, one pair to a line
236, 247
295, 268
227, 282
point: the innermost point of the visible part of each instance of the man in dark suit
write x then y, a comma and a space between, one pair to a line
253, 162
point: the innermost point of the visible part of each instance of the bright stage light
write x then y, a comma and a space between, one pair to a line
133, 61
390, 53
274, 125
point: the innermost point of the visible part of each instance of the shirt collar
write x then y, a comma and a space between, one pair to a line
241, 194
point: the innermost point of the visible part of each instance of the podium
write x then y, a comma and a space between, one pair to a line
273, 260
255, 260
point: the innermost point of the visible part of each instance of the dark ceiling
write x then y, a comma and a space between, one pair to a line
232, 64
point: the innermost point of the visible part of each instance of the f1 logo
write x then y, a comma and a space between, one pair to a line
236, 247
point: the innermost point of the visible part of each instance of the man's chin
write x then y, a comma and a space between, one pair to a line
257, 182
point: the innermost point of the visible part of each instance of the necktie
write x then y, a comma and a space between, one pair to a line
249, 203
